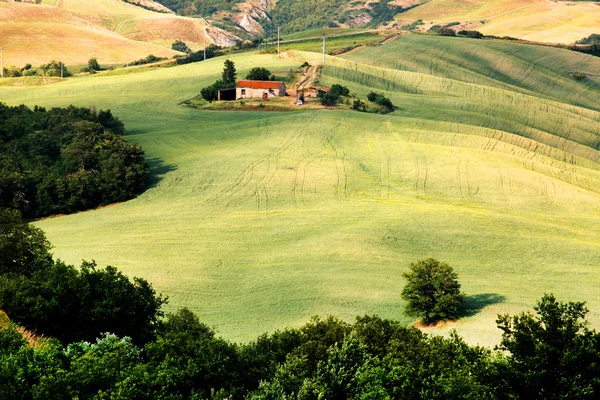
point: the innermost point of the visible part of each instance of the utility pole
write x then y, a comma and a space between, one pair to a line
2, 62
126, 54
277, 41
324, 50
204, 38
62, 64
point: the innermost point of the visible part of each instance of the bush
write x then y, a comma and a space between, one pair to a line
384, 103
432, 291
211, 52
339, 90
445, 31
359, 105
472, 34
179, 45
148, 60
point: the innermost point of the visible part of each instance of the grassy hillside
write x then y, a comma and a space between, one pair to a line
259, 220
537, 20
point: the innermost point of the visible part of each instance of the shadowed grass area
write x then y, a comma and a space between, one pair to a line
257, 221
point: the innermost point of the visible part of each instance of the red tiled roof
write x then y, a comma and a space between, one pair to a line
259, 84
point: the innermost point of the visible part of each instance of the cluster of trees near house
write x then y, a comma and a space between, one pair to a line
64, 160
105, 338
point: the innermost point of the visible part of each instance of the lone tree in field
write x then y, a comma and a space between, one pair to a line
229, 72
432, 291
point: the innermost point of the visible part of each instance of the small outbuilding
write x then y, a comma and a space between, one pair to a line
250, 89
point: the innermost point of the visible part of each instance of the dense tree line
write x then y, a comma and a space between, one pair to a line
107, 341
65, 159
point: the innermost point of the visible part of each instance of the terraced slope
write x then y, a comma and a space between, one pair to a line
260, 220
537, 20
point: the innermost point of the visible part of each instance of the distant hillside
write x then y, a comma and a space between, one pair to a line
114, 31
256, 16
537, 20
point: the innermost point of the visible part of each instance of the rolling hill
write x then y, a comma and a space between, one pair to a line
111, 30
536, 20
257, 221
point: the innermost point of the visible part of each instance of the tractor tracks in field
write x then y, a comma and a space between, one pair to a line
254, 179
463, 177
422, 169
339, 160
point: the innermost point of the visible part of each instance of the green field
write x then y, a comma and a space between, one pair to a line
257, 221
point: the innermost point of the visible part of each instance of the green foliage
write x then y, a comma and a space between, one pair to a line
65, 160
553, 355
471, 34
593, 38
203, 8
148, 60
296, 16
229, 74
432, 291
55, 68
93, 65
211, 93
24, 249
446, 31
211, 52
179, 45
59, 300
259, 74
359, 105
382, 11
339, 90
384, 103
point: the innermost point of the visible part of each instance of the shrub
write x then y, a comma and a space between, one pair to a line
359, 105
445, 31
383, 102
179, 45
339, 90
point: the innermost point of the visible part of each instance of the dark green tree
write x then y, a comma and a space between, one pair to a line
93, 65
553, 354
432, 291
229, 73
259, 74
24, 248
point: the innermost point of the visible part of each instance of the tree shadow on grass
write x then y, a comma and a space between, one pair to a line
158, 169
474, 304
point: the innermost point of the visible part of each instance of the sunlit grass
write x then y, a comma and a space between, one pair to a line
257, 221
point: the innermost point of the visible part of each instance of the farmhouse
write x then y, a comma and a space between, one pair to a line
249, 89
